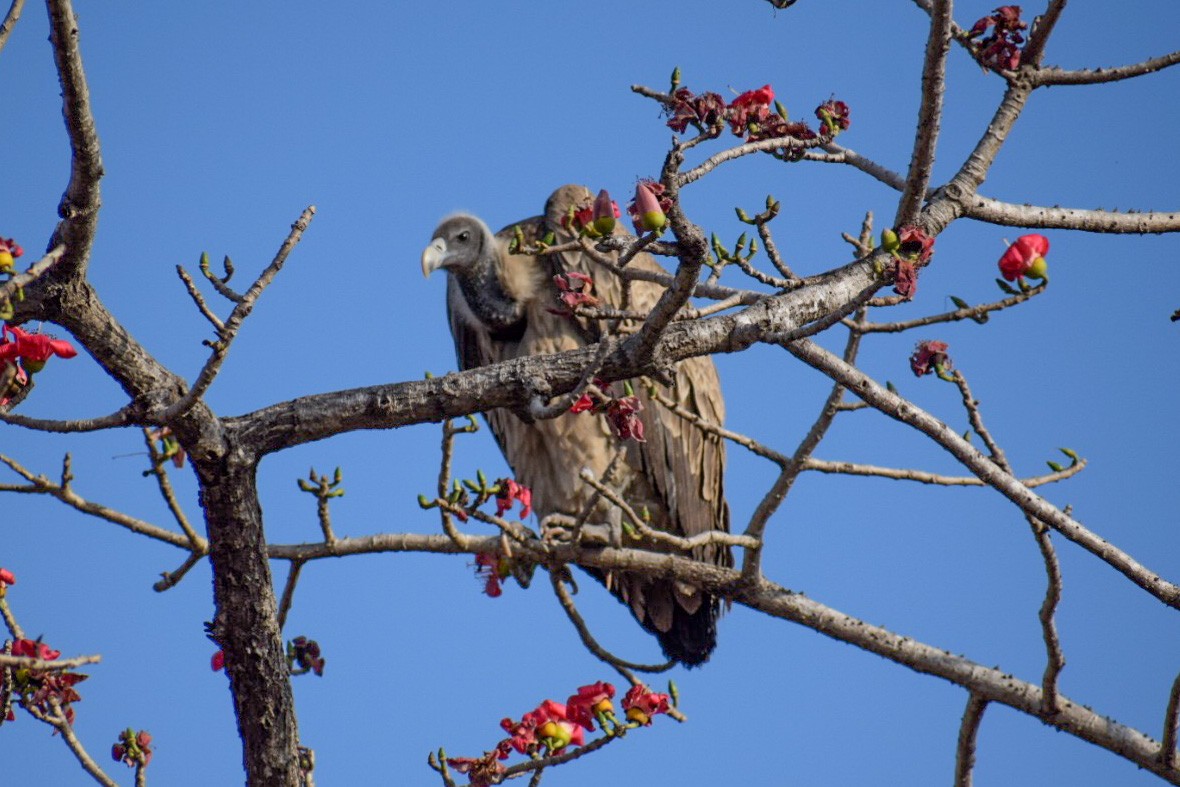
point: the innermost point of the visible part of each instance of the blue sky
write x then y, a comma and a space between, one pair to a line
221, 121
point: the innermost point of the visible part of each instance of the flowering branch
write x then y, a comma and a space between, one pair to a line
56, 718
966, 313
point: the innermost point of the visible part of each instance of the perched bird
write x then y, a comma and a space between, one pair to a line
502, 306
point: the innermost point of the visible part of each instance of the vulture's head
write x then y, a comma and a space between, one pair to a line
461, 244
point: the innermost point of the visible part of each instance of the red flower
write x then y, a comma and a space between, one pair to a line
905, 278
930, 356
1025, 257
587, 402
554, 727
218, 661
649, 207
915, 244
34, 349
510, 492
35, 649
491, 569
750, 109
589, 701
133, 748
575, 289
641, 704
1000, 50
623, 414
6, 578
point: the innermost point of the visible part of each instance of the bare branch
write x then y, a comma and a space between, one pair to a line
1060, 76
1171, 723
39, 484
56, 718
623, 667
35, 271
226, 335
936, 479
10, 21
969, 313
28, 662
1042, 29
1055, 217
127, 416
938, 44
968, 730
895, 407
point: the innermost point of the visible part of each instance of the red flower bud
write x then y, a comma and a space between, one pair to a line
648, 213
1026, 257
605, 213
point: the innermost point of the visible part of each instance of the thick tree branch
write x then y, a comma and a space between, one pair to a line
10, 21
1056, 217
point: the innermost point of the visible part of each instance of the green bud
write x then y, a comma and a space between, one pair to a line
1055, 467
889, 240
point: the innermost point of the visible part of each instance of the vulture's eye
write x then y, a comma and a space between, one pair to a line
463, 236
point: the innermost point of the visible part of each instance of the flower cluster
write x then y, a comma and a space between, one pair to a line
551, 726
754, 115
133, 748
930, 356
1001, 49
1026, 257
9, 251
511, 492
303, 655
40, 688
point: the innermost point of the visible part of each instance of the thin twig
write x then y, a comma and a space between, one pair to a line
199, 300
289, 591
10, 21
923, 477
39, 484
57, 719
1042, 29
969, 313
169, 494
123, 417
28, 662
622, 666
241, 311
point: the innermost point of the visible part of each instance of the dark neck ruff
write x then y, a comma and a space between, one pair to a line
481, 287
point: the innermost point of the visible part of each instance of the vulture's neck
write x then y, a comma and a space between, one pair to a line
495, 307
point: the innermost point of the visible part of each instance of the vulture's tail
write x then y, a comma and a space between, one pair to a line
682, 618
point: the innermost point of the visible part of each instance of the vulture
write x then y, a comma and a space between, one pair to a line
503, 305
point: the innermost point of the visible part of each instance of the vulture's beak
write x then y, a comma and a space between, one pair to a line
433, 256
